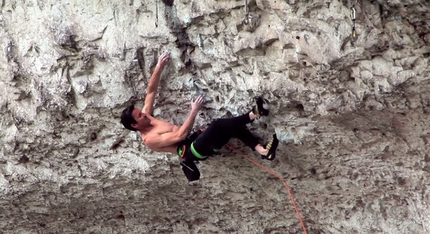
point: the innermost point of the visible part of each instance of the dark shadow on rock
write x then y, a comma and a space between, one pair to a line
183, 41
168, 2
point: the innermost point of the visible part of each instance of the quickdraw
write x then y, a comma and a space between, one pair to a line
156, 13
246, 20
353, 17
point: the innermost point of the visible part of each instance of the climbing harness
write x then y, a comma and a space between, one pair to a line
280, 178
353, 14
184, 150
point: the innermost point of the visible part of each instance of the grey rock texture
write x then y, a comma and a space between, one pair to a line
352, 114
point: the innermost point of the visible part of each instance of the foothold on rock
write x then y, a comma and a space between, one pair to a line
93, 136
307, 38
23, 159
313, 171
117, 144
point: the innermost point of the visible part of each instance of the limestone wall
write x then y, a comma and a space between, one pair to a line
352, 114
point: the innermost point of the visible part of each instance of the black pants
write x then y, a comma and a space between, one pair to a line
221, 131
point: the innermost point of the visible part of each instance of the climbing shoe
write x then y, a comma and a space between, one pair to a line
262, 107
271, 148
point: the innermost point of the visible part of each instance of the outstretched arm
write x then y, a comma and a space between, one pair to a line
164, 60
157, 141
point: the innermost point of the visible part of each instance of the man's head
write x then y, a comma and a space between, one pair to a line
133, 119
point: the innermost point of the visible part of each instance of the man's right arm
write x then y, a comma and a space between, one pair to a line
154, 81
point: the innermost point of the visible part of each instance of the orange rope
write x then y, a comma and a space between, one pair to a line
277, 176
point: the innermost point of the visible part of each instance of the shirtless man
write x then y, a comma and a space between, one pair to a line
162, 136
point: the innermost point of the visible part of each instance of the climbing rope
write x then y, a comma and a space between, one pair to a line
277, 176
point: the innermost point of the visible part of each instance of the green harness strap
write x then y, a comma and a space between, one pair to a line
194, 151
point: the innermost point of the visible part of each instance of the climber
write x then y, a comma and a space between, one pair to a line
161, 136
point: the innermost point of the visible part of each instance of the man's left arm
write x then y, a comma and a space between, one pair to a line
154, 81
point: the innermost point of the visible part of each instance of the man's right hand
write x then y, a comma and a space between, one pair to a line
164, 59
197, 104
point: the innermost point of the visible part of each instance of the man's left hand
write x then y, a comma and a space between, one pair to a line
164, 59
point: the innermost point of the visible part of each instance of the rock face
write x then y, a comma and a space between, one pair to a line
352, 114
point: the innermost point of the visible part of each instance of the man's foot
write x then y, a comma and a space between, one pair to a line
271, 148
262, 107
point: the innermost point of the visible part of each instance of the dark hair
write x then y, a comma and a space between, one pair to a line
127, 118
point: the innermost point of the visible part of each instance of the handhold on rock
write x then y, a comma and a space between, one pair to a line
252, 22
298, 48
306, 38
168, 2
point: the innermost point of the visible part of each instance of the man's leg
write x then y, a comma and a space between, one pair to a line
244, 135
267, 151
222, 130
215, 137
219, 133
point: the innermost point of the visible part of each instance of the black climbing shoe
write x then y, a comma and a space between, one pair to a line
262, 107
271, 148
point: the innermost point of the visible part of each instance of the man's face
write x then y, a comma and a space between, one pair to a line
141, 118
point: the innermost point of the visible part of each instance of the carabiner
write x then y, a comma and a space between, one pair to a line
353, 13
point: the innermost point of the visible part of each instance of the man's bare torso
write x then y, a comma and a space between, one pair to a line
160, 127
